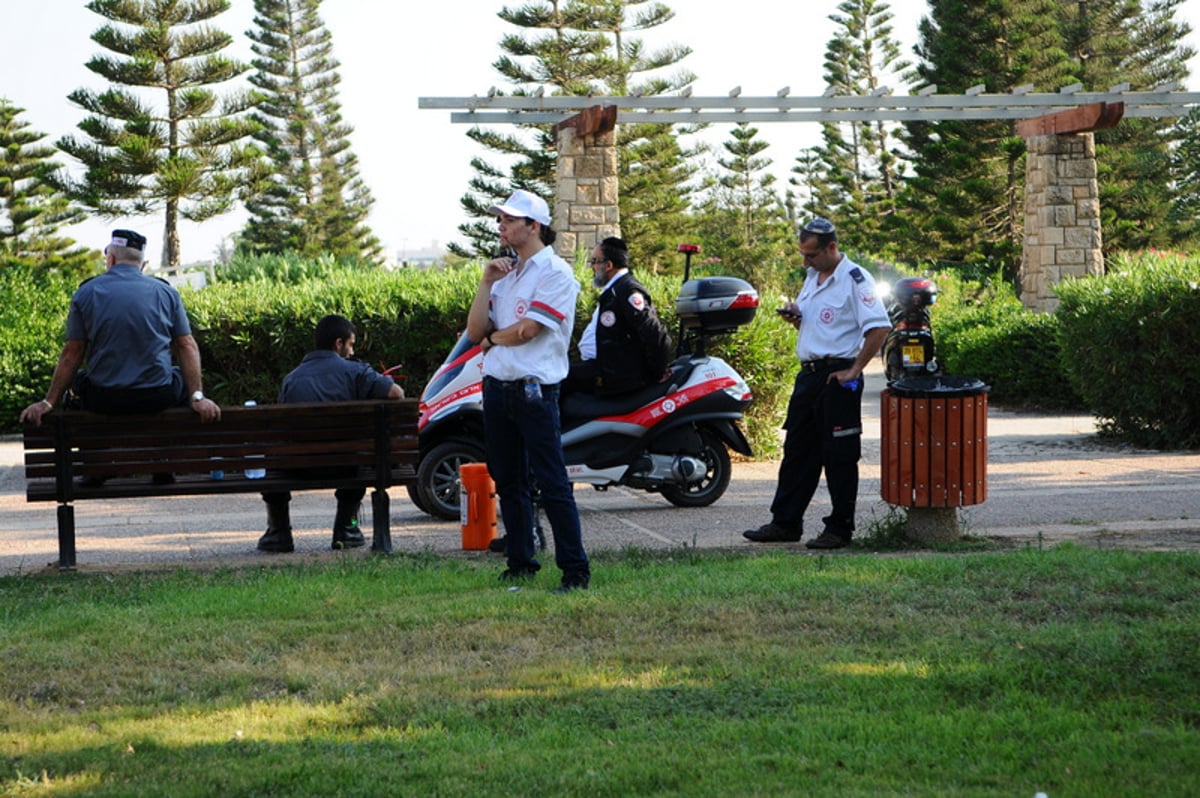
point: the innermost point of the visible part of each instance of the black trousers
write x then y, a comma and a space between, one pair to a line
128, 401
824, 433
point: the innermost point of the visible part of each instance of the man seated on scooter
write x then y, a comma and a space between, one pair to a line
625, 346
327, 374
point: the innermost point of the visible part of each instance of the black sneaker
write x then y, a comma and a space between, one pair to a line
517, 574
348, 538
496, 545
772, 533
573, 582
277, 542
829, 540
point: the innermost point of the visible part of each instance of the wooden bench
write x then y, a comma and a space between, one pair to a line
374, 440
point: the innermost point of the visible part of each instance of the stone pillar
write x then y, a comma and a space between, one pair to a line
585, 198
1062, 216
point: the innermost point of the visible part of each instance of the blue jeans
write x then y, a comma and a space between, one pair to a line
523, 437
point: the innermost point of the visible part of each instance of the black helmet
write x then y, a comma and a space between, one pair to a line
913, 293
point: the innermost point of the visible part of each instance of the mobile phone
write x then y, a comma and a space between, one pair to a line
787, 314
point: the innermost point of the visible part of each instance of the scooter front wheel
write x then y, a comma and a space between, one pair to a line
414, 495
716, 478
437, 477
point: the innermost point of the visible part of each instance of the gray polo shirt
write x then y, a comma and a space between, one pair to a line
129, 321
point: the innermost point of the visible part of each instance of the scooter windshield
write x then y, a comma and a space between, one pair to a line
452, 366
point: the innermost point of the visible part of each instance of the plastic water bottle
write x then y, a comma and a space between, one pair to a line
255, 473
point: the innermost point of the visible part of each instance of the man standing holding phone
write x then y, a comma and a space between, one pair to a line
842, 325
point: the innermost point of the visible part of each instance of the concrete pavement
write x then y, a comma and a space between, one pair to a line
1050, 479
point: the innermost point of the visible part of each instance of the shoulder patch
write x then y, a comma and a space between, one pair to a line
637, 300
857, 275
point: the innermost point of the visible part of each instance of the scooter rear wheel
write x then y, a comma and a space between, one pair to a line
715, 481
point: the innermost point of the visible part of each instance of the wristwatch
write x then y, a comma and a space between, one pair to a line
197, 396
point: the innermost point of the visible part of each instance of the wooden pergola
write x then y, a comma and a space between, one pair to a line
1062, 210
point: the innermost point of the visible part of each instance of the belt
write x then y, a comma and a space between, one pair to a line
826, 364
515, 384
504, 383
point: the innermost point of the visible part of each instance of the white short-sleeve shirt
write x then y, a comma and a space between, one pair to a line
544, 289
838, 313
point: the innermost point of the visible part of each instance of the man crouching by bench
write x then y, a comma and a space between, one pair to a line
127, 324
327, 375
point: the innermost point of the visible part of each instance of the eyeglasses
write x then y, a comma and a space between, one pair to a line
814, 253
597, 261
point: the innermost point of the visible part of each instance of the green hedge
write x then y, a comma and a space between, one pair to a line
1134, 339
982, 331
33, 313
253, 333
1122, 347
254, 330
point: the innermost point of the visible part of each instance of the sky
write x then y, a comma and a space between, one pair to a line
416, 162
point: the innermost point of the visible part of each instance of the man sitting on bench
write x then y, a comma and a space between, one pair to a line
327, 375
127, 325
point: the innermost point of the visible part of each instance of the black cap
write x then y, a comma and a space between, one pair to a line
128, 238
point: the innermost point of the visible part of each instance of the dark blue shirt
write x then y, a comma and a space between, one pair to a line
326, 376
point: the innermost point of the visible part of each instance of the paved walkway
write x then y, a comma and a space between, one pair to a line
1049, 479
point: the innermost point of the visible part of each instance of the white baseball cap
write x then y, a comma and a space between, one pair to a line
525, 205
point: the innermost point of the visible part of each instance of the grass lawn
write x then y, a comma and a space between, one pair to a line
1068, 671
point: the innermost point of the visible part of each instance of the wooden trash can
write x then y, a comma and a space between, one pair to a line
934, 442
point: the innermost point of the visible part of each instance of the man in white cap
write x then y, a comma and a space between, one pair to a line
523, 315
128, 325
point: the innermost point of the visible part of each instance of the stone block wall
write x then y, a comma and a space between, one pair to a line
585, 204
1062, 216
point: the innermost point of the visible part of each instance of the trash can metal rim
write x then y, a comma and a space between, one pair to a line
943, 386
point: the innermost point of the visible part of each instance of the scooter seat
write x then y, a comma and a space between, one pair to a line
586, 405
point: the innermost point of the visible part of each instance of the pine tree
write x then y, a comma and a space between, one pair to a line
31, 210
309, 199
744, 221
561, 53
812, 186
1185, 165
585, 47
1124, 41
188, 156
965, 203
653, 173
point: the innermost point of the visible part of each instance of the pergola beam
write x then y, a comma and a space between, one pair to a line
679, 109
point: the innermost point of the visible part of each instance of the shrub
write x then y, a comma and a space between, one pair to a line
33, 312
251, 334
982, 331
1133, 338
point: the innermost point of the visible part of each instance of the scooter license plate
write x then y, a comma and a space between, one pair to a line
913, 355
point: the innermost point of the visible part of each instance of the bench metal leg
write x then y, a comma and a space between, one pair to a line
381, 540
66, 537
